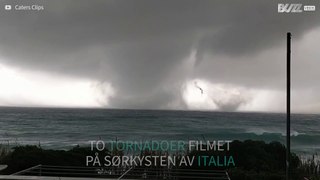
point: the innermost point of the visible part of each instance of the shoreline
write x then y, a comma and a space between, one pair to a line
67, 146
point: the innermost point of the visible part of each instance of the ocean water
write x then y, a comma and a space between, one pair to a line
62, 128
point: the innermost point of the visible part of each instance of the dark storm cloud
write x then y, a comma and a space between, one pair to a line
138, 45
255, 26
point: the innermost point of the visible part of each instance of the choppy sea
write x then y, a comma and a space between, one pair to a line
62, 128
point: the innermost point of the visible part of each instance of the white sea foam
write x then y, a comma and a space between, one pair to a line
261, 131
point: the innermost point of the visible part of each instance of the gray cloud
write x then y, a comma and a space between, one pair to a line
140, 46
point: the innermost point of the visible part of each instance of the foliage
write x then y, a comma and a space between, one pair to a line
253, 160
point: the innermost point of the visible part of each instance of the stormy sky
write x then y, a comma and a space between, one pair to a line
159, 54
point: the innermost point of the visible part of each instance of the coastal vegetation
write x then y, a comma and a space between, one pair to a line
253, 160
